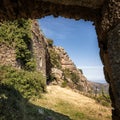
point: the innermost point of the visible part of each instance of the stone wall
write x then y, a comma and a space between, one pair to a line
8, 56
39, 47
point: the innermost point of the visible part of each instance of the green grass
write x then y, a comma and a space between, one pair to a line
67, 103
72, 111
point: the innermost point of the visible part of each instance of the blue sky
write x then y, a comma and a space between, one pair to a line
79, 39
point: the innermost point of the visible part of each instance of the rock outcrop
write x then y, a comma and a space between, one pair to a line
68, 74
39, 48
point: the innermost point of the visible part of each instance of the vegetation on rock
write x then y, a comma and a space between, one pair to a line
29, 84
18, 86
54, 57
17, 34
71, 75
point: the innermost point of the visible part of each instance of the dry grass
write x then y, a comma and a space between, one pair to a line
73, 104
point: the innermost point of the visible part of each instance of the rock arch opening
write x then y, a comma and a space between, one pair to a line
106, 16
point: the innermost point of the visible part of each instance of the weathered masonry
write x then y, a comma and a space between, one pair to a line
37, 48
104, 13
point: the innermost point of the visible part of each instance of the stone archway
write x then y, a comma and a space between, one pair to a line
104, 13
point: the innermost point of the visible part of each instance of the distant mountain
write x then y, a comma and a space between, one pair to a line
99, 87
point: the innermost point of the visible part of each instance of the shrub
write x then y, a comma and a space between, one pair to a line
17, 34
71, 75
30, 65
50, 42
104, 100
54, 59
64, 84
52, 77
29, 84
75, 78
81, 71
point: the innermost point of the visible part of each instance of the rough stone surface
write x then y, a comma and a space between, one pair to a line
67, 63
8, 56
110, 17
108, 36
85, 3
40, 8
39, 47
114, 61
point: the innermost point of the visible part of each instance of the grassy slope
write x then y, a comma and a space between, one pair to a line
72, 104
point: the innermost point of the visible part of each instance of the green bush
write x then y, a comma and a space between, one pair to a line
17, 34
64, 84
71, 75
50, 42
29, 84
104, 100
75, 78
52, 77
54, 59
30, 65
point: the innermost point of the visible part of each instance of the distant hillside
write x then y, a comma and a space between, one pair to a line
99, 87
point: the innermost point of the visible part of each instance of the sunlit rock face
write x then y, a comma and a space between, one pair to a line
68, 68
104, 13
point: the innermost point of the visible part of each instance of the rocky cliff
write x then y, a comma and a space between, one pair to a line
64, 71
